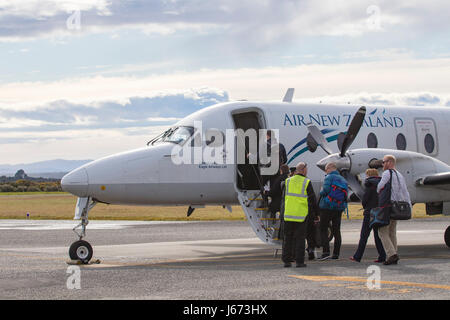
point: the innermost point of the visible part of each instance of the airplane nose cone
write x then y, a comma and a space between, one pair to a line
342, 163
76, 182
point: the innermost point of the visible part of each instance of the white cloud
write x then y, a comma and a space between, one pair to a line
241, 21
43, 9
110, 113
158, 119
393, 99
14, 123
245, 83
379, 54
74, 144
105, 126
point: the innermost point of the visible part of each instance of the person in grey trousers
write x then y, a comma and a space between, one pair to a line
399, 192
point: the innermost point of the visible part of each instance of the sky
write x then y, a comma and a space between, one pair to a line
88, 78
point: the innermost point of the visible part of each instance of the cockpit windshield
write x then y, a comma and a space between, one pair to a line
176, 135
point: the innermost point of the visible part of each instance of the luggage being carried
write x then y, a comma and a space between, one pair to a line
379, 217
337, 194
318, 236
337, 197
388, 209
400, 210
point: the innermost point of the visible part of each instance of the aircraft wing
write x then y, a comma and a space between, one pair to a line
439, 180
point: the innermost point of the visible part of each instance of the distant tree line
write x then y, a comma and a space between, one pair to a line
21, 182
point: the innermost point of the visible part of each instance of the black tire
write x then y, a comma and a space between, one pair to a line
81, 250
447, 237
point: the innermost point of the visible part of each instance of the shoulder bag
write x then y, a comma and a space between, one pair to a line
400, 210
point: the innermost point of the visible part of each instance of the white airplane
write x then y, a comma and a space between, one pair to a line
416, 136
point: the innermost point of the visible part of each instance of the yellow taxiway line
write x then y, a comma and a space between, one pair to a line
361, 279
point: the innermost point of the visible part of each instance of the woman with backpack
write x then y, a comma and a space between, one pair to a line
332, 203
369, 201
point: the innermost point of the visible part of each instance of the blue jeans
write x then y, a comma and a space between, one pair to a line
365, 232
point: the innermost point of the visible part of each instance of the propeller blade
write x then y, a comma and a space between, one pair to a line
340, 139
353, 130
353, 183
319, 138
311, 143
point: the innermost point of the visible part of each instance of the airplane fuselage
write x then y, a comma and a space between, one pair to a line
148, 176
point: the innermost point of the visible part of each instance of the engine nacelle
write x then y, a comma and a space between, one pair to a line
414, 167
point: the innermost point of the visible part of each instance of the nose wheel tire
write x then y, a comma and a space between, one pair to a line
447, 237
81, 250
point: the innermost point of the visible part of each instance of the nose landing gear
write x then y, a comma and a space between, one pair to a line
81, 250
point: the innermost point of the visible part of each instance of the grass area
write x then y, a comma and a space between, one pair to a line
62, 206
30, 193
57, 205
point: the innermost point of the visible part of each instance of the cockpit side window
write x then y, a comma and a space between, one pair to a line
176, 135
196, 141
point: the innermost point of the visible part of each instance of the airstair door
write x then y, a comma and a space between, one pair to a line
250, 122
249, 181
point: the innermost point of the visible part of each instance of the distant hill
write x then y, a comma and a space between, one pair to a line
48, 175
46, 169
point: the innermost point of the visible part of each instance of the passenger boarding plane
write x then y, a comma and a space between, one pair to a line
416, 136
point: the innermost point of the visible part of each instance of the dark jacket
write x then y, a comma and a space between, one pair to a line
283, 156
276, 192
370, 197
313, 209
281, 149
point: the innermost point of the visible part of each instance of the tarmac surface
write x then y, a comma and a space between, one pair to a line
212, 260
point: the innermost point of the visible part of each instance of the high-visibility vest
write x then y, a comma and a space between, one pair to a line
296, 199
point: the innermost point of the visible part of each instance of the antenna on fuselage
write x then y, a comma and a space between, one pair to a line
289, 95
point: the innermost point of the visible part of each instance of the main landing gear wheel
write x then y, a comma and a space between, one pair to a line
447, 237
81, 250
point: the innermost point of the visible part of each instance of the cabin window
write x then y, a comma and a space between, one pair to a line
429, 143
401, 142
372, 141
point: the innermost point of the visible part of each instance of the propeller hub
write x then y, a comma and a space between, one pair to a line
342, 163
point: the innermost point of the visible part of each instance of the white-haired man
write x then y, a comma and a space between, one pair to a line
398, 192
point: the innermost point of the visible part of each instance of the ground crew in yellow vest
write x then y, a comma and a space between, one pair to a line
299, 205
